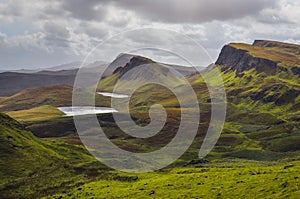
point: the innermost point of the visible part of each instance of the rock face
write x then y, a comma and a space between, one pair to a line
134, 62
232, 58
296, 70
277, 61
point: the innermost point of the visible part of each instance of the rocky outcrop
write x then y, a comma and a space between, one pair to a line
240, 60
296, 70
134, 62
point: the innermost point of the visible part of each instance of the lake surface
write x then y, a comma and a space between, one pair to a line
114, 95
85, 110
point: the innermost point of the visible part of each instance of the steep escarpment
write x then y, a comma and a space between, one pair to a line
265, 73
264, 56
238, 57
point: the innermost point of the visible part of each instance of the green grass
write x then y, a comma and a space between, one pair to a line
31, 168
232, 179
41, 113
276, 54
55, 95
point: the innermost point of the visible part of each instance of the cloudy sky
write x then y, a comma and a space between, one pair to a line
42, 33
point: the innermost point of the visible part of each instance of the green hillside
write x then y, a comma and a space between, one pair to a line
31, 168
226, 179
54, 95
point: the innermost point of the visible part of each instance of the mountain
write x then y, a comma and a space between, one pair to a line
265, 73
67, 66
120, 61
12, 82
123, 59
144, 69
263, 92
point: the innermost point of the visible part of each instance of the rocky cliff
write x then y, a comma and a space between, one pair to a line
134, 62
237, 59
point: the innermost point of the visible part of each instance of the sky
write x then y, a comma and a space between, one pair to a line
36, 34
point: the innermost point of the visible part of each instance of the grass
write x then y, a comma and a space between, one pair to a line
276, 54
41, 113
219, 180
55, 95
31, 167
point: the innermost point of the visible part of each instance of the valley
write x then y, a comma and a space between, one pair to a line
42, 154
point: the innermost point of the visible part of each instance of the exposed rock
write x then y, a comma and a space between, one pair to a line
296, 70
151, 192
287, 97
240, 60
134, 62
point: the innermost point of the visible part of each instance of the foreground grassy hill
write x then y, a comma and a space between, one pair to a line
223, 179
31, 168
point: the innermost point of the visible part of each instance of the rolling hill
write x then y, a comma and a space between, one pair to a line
54, 95
31, 167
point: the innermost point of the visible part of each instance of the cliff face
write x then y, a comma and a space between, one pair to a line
134, 62
240, 58
275, 76
263, 55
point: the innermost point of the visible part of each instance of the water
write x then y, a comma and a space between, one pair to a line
114, 95
85, 110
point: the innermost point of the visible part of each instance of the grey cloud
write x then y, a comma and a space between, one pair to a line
85, 10
56, 35
2, 36
12, 8
93, 30
194, 11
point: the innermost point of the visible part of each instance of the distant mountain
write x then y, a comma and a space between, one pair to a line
145, 69
67, 66
120, 61
12, 82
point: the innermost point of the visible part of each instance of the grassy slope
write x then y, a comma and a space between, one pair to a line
30, 167
226, 179
41, 113
55, 95
278, 53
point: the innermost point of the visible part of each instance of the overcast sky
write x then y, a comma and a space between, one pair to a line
42, 33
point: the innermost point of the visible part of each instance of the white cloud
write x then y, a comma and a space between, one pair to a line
70, 29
